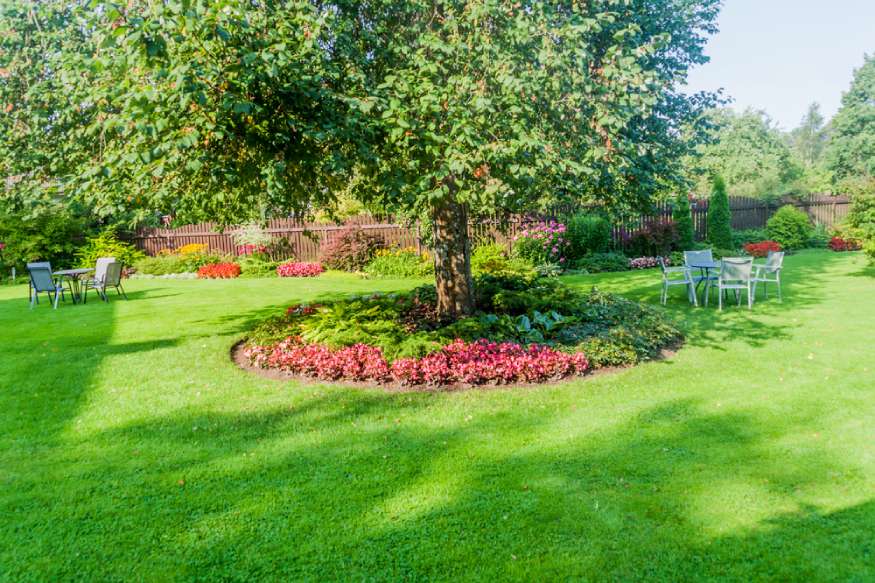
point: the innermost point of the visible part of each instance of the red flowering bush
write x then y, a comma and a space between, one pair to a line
219, 271
840, 244
351, 249
293, 269
762, 248
475, 363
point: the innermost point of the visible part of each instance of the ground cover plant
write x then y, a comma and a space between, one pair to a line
525, 330
132, 448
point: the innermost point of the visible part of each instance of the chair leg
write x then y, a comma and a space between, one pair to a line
57, 295
719, 299
124, 295
778, 282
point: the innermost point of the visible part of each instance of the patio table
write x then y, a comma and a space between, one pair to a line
73, 279
706, 267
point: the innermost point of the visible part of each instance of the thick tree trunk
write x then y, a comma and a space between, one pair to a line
452, 260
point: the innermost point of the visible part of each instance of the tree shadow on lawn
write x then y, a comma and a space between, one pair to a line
360, 485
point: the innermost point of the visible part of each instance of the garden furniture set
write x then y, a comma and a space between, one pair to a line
106, 274
731, 274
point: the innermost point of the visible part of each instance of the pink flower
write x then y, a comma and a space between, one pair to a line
293, 269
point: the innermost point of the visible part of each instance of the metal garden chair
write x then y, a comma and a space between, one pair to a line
41, 281
669, 279
736, 274
772, 267
107, 273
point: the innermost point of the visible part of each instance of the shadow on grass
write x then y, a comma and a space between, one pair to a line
351, 485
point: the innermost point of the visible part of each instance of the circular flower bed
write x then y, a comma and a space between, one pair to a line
524, 332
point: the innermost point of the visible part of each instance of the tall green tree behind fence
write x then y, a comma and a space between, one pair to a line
306, 236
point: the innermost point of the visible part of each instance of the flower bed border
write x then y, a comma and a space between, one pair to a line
236, 354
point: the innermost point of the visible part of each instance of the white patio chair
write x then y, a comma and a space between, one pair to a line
669, 279
772, 267
697, 258
736, 274
107, 273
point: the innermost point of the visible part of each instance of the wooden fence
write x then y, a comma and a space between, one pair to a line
305, 238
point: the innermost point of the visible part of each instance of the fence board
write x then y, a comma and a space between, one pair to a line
306, 238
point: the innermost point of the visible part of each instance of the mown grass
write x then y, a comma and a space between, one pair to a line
132, 449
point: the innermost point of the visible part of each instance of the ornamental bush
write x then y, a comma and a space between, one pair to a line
541, 243
587, 233
603, 262
647, 262
296, 269
683, 219
660, 238
719, 216
790, 227
219, 271
107, 244
762, 248
839, 244
351, 249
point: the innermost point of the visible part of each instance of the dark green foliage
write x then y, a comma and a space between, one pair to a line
683, 219
603, 262
351, 249
719, 216
655, 239
257, 265
52, 234
173, 263
587, 233
107, 244
851, 151
790, 227
744, 236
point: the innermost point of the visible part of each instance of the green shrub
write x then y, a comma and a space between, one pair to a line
52, 234
603, 262
257, 265
819, 237
745, 236
861, 221
588, 233
400, 263
719, 216
167, 264
683, 220
790, 227
107, 244
492, 259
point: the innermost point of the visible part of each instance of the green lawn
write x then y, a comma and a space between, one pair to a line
132, 449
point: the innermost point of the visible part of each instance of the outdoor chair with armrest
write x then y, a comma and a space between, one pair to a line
736, 274
41, 281
772, 267
107, 273
669, 278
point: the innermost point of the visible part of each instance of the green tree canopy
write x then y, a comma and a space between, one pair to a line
228, 110
851, 152
749, 152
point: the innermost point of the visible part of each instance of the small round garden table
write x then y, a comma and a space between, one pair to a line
705, 267
73, 278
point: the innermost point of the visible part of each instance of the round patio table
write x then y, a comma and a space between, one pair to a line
73, 279
706, 267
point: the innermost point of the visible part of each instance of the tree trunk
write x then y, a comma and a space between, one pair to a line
452, 260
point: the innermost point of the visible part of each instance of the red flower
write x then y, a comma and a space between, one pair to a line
219, 271
840, 244
475, 363
762, 248
293, 269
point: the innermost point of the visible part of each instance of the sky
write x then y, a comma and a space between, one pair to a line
780, 55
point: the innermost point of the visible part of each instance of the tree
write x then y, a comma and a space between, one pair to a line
749, 152
851, 152
683, 218
810, 138
449, 111
719, 216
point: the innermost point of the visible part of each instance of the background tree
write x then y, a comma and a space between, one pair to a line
719, 216
749, 152
230, 110
808, 143
851, 152
683, 218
